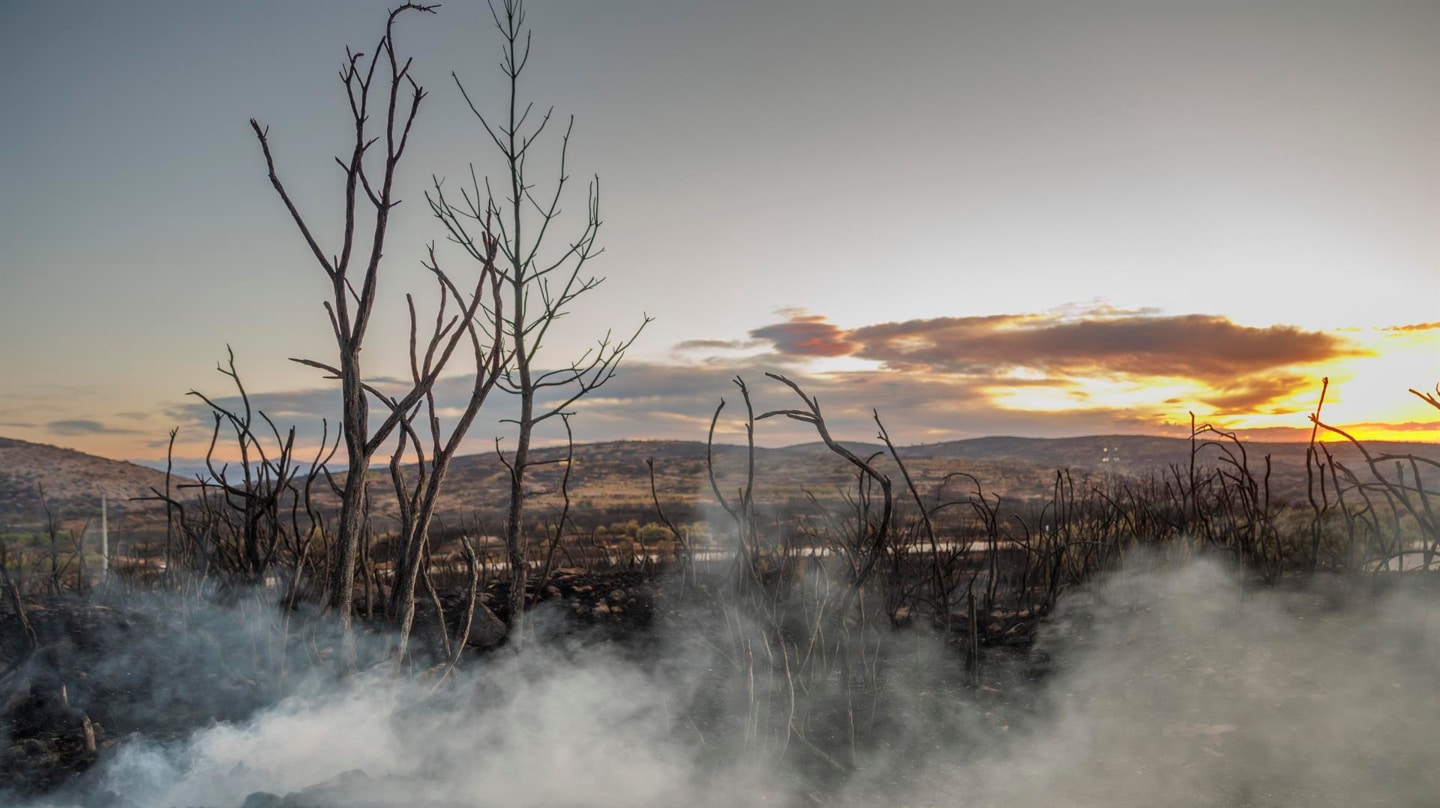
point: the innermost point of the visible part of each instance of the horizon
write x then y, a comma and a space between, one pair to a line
187, 466
981, 221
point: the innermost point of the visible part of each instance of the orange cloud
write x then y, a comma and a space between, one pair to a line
1200, 347
1098, 342
1136, 366
806, 335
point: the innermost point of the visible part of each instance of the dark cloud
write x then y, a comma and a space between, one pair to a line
1247, 369
82, 427
806, 335
285, 407
676, 401
1257, 394
1200, 347
720, 344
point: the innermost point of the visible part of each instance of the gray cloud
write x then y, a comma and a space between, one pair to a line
678, 400
1256, 393
81, 427
806, 335
675, 401
720, 344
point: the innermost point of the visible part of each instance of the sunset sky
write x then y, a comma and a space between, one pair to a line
980, 218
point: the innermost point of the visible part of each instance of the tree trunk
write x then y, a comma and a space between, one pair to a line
514, 531
353, 506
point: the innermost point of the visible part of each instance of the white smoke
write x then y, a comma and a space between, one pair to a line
1180, 688
1175, 688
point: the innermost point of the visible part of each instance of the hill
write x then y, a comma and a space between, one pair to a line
1141, 455
611, 481
73, 482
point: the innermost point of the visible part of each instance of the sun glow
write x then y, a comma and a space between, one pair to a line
1367, 395
1062, 395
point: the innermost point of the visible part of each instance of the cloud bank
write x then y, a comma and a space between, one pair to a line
1084, 369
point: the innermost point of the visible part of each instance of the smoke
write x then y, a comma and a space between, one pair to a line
544, 729
1181, 688
1177, 687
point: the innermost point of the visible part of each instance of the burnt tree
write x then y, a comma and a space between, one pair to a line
384, 100
540, 281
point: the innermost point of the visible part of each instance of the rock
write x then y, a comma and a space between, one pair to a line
342, 789
487, 630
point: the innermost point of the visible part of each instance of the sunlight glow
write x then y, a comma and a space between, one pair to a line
1368, 395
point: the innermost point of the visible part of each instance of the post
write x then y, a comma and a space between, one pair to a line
104, 539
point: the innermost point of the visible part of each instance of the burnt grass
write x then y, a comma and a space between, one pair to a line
117, 665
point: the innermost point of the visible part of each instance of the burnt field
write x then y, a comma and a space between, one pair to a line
1205, 622
899, 638
838, 625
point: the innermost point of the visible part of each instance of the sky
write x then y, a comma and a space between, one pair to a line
976, 218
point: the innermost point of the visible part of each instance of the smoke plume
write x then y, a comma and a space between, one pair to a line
1155, 686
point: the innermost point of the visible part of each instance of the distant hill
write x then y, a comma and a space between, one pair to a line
610, 481
73, 481
1144, 455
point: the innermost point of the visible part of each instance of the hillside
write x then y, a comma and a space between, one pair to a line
73, 482
1140, 455
610, 481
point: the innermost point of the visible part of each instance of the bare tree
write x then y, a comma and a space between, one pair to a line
369, 183
418, 493
266, 478
540, 288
